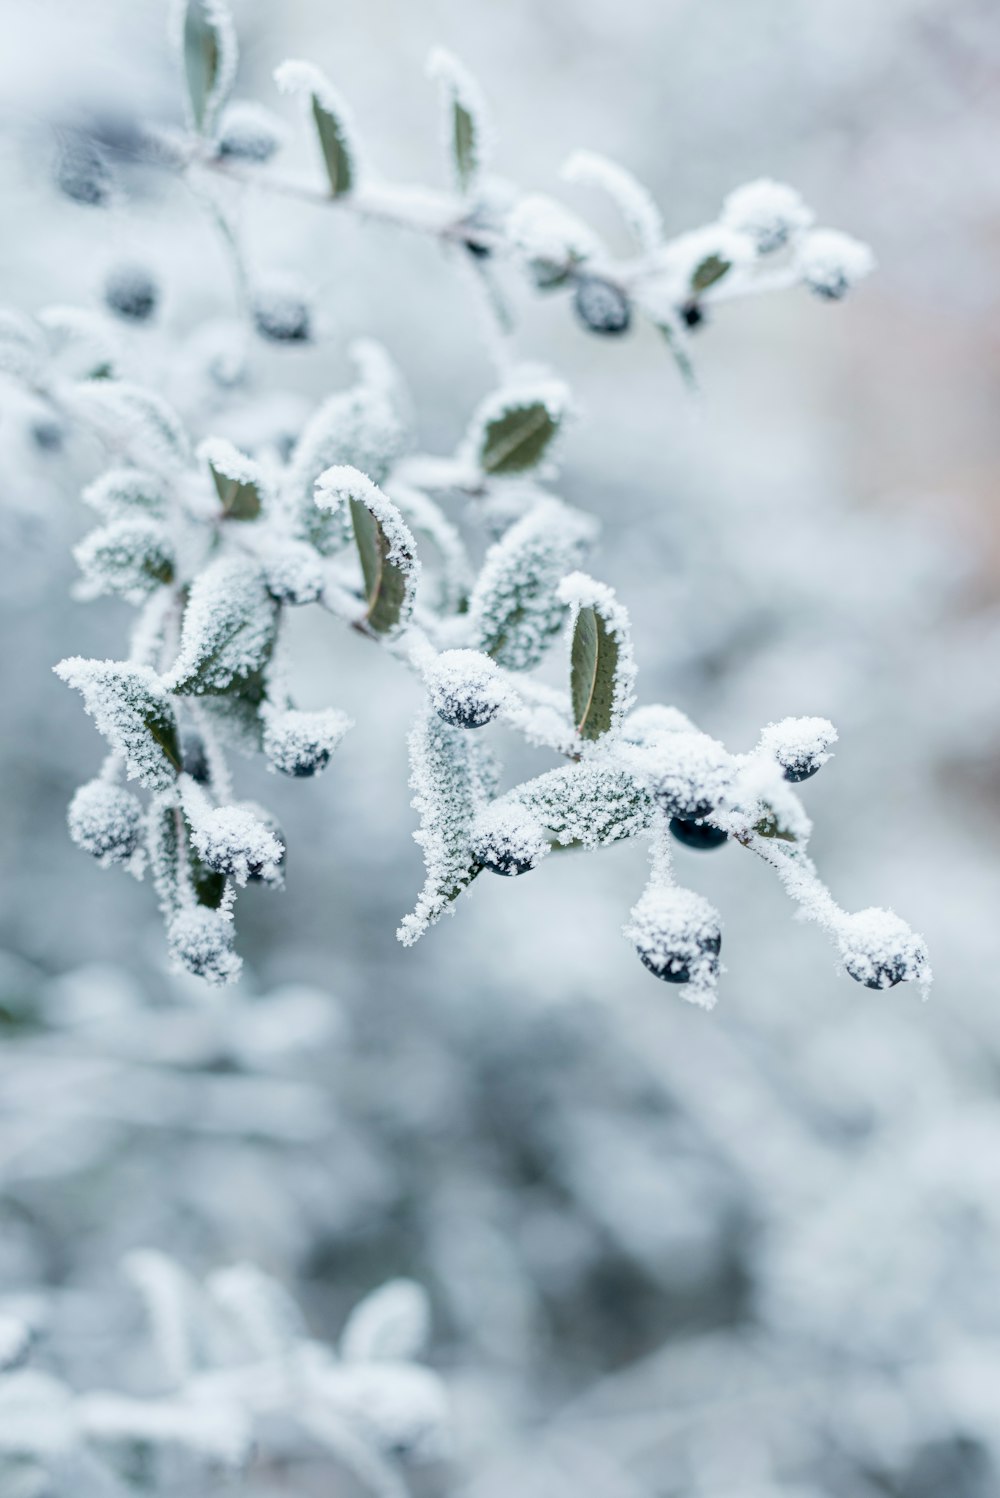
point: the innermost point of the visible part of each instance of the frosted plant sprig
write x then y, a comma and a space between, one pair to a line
239, 1383
250, 538
762, 240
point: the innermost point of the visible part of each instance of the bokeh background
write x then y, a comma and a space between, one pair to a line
670, 1253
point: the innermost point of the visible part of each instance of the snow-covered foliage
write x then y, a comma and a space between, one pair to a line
237, 1384
217, 542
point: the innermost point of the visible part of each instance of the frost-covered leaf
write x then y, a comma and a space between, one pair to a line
550, 241
391, 1324
258, 1308
467, 128
22, 345
632, 199
452, 777
386, 548
332, 118
119, 493
602, 668
228, 631
133, 712
238, 479
401, 1406
358, 428
210, 55
132, 419
130, 557
597, 802
708, 271
513, 430
426, 518
514, 608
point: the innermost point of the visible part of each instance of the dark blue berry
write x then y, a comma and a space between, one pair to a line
886, 975
700, 835
131, 292
805, 769
692, 315
194, 760
601, 306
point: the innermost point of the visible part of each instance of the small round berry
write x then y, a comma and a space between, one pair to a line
105, 821
48, 435
301, 743
282, 316
700, 835
194, 759
803, 770
677, 937
507, 840
81, 170
201, 943
801, 746
880, 950
601, 306
692, 315
694, 776
131, 292
466, 688
249, 133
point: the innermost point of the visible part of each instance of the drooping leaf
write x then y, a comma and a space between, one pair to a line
336, 149
514, 611
593, 664
386, 548
209, 49
228, 631
332, 119
133, 712
236, 479
711, 269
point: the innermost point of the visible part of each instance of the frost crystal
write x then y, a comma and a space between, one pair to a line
880, 950
230, 840
292, 570
831, 263
594, 803
301, 743
106, 821
507, 839
133, 712
800, 745
770, 212
514, 611
689, 773
130, 557
466, 688
120, 492
228, 628
452, 779
201, 943
677, 935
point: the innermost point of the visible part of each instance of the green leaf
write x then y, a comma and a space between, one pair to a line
385, 582
209, 886
133, 712
239, 500
517, 439
228, 630
464, 144
769, 826
336, 149
593, 668
203, 60
711, 269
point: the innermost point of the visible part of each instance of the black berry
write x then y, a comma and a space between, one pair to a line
601, 306
692, 315
701, 835
194, 760
803, 769
884, 974
283, 317
676, 966
131, 292
506, 863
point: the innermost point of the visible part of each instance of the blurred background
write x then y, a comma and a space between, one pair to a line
727, 1255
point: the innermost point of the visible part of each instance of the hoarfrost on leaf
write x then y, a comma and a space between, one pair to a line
133, 712
633, 200
391, 1324
228, 630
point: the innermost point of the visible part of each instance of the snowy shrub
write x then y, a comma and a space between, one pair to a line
215, 542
